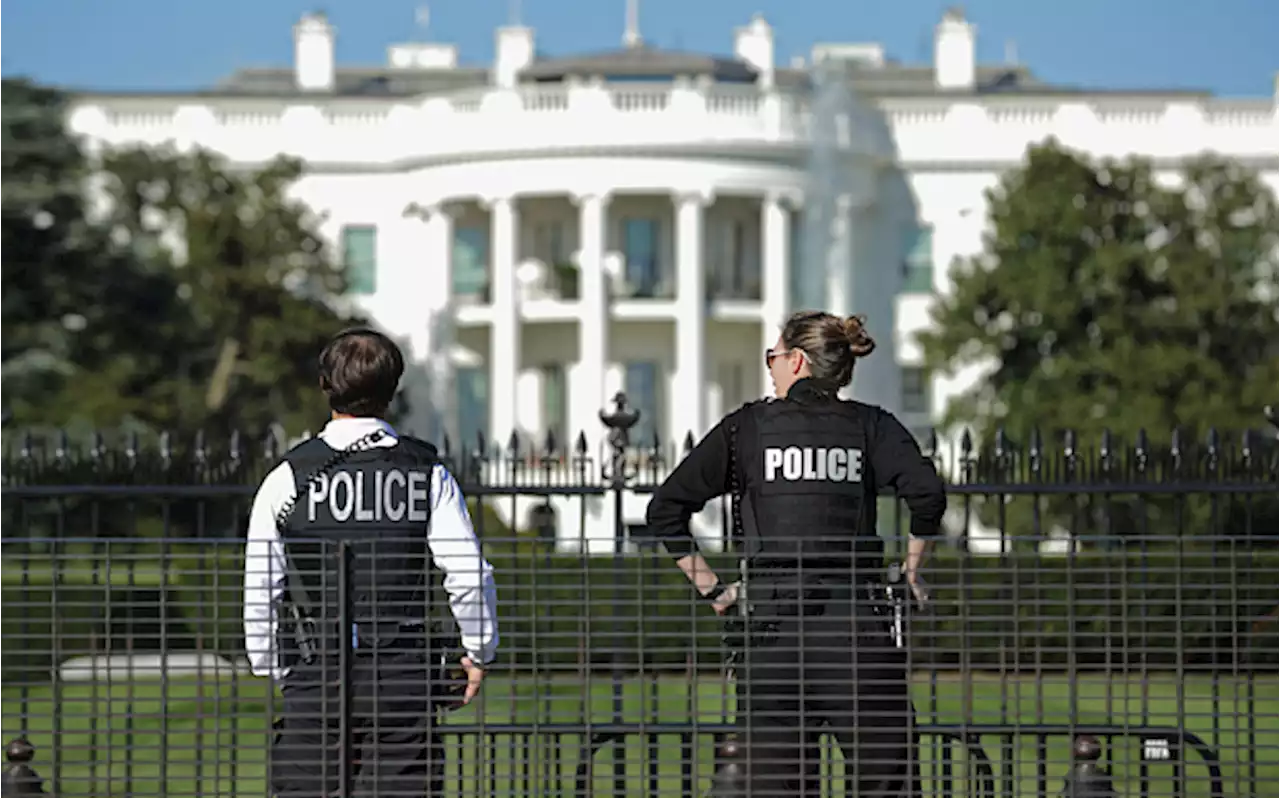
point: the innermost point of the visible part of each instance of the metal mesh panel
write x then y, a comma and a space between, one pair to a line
1119, 600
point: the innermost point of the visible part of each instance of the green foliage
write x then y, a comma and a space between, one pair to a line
1106, 299
1204, 607
195, 297
254, 278
70, 300
565, 610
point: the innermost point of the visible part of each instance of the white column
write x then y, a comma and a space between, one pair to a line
839, 258
874, 286
775, 224
424, 313
440, 367
588, 396
687, 404
504, 334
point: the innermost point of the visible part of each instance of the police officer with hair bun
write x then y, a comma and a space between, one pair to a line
405, 521
819, 655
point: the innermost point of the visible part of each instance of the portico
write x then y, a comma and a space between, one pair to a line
694, 282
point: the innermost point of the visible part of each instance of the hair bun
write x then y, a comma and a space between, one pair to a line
860, 344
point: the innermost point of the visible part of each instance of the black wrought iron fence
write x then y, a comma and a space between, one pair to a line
1118, 590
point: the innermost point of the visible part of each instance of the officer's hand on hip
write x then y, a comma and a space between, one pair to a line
725, 601
475, 675
918, 588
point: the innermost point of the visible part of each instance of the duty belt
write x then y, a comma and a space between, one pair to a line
886, 598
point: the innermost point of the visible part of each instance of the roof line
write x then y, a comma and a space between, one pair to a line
1040, 93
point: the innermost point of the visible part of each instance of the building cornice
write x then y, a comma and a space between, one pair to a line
788, 156
890, 102
715, 122
1001, 165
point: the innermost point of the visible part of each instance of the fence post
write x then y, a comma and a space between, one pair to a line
1087, 779
730, 777
346, 660
616, 475
619, 422
19, 777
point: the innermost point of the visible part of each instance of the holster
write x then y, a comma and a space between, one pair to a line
740, 631
305, 634
887, 603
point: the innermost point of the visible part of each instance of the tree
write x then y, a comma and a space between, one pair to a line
1107, 300
255, 286
196, 300
57, 269
41, 224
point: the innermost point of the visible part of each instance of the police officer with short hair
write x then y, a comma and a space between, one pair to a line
806, 470
403, 517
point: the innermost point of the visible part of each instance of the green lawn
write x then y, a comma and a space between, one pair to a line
188, 738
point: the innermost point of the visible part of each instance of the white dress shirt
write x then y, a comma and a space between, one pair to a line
455, 551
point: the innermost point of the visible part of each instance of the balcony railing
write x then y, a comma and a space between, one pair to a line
536, 117
468, 122
725, 285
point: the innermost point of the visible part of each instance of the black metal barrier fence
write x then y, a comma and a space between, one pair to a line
1104, 612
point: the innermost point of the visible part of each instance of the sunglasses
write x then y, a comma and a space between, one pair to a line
770, 354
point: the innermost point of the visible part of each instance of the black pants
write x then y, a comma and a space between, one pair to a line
825, 669
396, 752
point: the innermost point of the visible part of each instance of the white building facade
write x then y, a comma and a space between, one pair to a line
544, 233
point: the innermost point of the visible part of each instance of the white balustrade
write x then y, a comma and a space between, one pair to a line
584, 114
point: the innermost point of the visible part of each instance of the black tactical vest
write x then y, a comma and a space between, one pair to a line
379, 502
808, 498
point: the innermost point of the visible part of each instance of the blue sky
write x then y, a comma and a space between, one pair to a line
1227, 46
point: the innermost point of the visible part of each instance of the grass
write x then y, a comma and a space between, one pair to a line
188, 737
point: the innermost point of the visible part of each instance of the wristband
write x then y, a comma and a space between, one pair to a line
716, 592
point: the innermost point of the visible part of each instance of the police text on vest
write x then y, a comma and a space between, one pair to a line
394, 495
812, 464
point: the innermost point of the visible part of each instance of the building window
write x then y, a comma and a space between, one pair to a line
470, 260
473, 406
640, 248
917, 277
733, 273
915, 390
795, 264
643, 394
555, 410
549, 243
551, 246
360, 258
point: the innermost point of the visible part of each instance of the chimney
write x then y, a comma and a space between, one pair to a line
953, 51
754, 44
513, 52
313, 66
